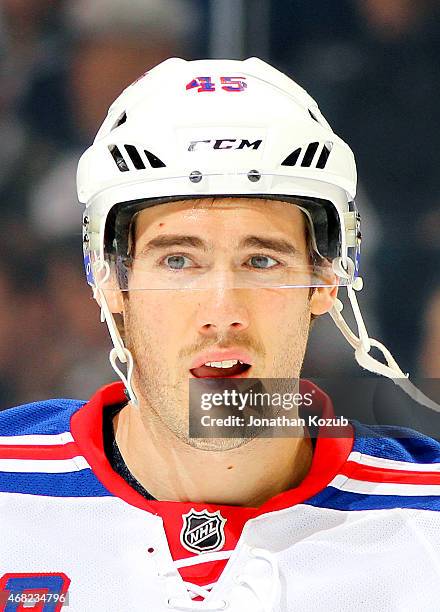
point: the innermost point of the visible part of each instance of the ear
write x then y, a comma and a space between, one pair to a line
323, 299
114, 300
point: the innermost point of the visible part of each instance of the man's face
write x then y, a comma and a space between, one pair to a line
170, 331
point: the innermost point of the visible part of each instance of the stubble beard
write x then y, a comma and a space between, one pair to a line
165, 402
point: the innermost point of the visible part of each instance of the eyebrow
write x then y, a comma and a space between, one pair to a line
172, 240
183, 240
273, 244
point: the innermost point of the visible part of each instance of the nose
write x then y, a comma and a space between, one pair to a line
222, 311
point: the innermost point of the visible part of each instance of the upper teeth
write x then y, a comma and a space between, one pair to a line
223, 364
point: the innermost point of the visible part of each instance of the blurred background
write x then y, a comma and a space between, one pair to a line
373, 66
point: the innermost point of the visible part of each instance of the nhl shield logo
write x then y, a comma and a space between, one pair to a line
202, 531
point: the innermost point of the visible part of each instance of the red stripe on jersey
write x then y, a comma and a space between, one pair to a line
378, 474
39, 451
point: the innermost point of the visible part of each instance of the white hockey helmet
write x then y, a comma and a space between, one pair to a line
244, 130
192, 129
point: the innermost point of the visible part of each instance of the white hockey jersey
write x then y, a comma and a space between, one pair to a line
361, 532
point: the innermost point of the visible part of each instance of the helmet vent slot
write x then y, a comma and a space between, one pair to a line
292, 158
119, 160
121, 120
155, 162
309, 154
135, 157
313, 116
322, 160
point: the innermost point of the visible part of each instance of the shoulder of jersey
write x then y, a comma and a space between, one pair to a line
38, 454
47, 417
388, 467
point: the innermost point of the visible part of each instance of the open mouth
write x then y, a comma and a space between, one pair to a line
236, 370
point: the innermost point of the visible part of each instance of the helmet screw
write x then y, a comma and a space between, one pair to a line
254, 176
195, 176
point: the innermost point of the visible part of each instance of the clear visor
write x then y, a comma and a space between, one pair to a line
200, 252
178, 271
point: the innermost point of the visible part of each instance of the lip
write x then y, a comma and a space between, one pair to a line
221, 355
244, 374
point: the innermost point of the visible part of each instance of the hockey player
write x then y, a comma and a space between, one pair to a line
219, 220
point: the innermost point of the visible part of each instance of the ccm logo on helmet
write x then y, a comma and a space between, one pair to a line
221, 144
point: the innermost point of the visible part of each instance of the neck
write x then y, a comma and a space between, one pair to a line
170, 469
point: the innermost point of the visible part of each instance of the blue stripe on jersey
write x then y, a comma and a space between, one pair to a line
342, 500
48, 417
387, 442
68, 484
397, 443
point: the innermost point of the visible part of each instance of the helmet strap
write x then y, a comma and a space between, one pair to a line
126, 379
119, 352
362, 344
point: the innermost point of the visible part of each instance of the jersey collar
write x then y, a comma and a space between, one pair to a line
329, 455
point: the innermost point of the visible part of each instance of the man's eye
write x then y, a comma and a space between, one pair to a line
177, 262
262, 261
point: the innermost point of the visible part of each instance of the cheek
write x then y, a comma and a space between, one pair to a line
281, 303
163, 318
278, 316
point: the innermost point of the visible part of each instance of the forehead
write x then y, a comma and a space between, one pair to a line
222, 217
